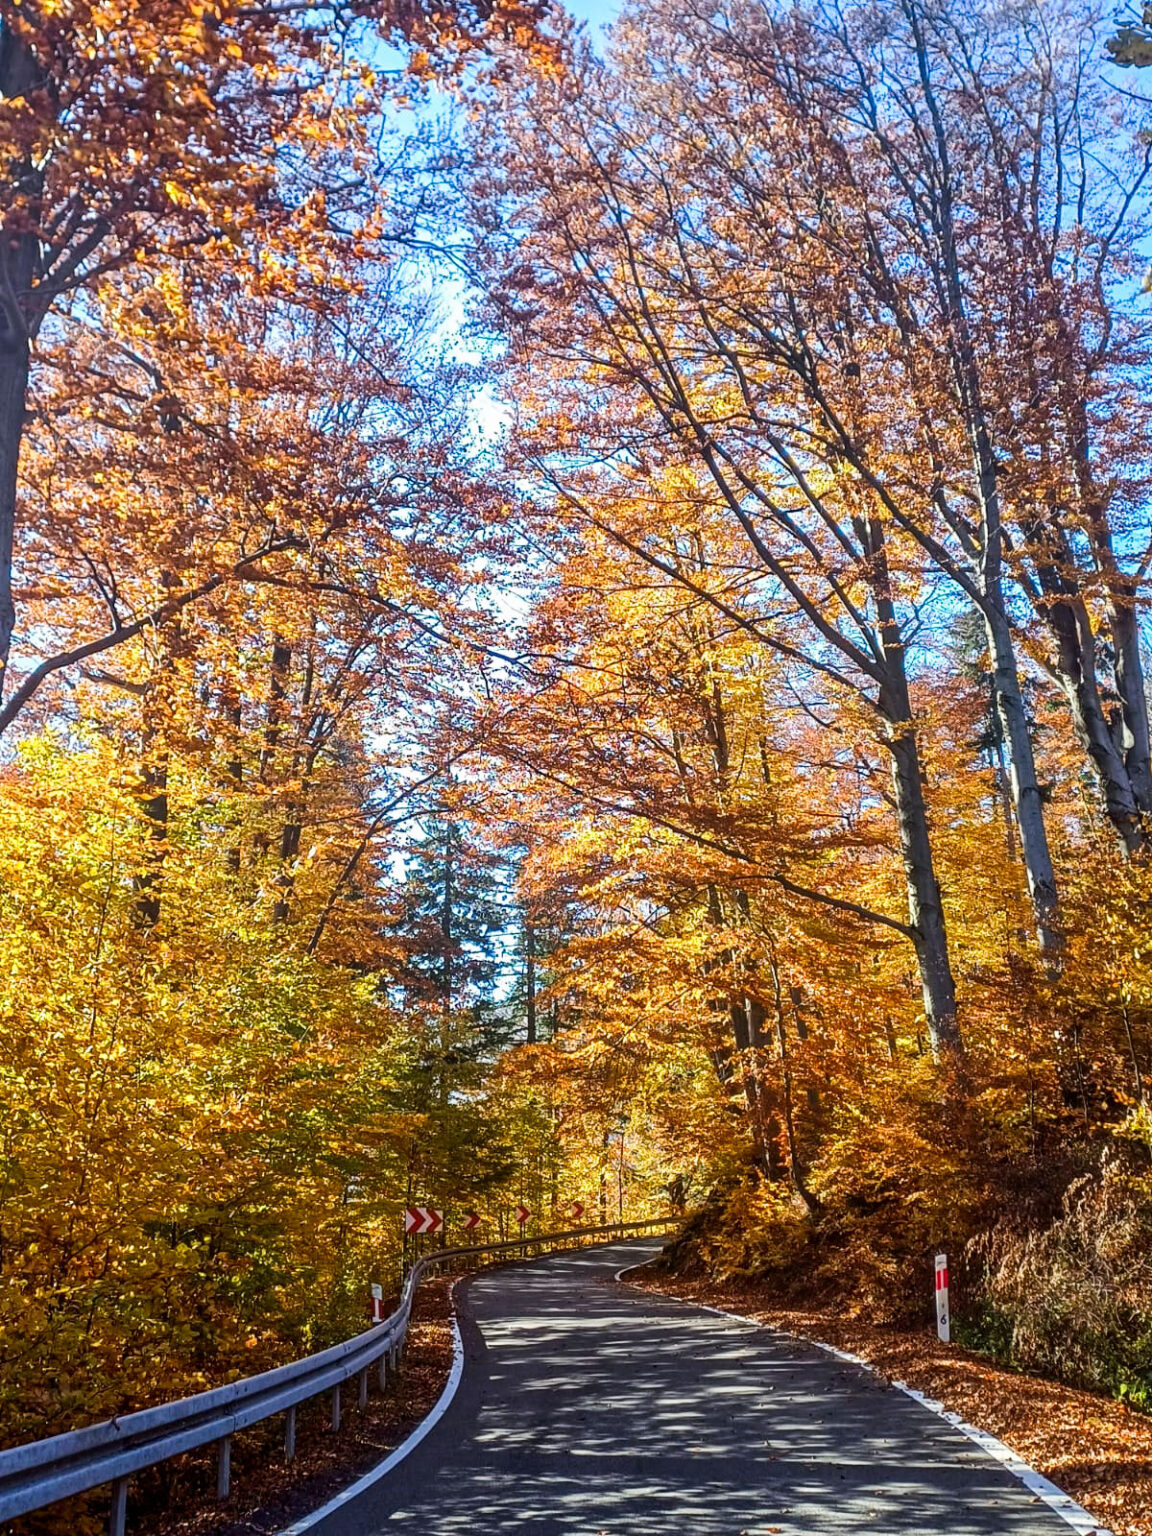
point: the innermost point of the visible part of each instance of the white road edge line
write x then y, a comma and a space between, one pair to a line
1037, 1484
405, 1448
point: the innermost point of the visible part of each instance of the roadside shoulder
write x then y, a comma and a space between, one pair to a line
1089, 1450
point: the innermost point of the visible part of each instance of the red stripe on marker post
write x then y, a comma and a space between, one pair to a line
943, 1319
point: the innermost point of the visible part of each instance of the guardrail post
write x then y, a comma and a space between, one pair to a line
335, 1407
118, 1514
290, 1434
363, 1399
383, 1370
223, 1467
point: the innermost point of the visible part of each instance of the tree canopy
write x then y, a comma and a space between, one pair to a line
573, 627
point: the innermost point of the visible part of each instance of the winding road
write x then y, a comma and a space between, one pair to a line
587, 1408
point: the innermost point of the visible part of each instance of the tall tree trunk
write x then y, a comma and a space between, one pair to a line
1003, 789
1122, 590
795, 1161
925, 908
747, 1017
447, 981
739, 1051
1063, 610
302, 770
1023, 783
530, 979
447, 975
796, 998
157, 714
19, 75
231, 710
150, 880
1026, 798
290, 834
277, 692
1129, 676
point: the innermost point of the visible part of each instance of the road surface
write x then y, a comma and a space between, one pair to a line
586, 1408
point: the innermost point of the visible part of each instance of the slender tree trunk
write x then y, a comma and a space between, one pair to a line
19, 75
796, 998
447, 979
530, 979
447, 982
795, 1162
231, 710
290, 834
1130, 685
1136, 1072
157, 701
1074, 662
13, 391
1026, 798
150, 881
1027, 802
1025, 788
1127, 664
747, 1018
890, 1038
925, 907
1003, 790
737, 1052
277, 692
1024, 785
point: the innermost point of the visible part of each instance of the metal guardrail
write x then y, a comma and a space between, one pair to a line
44, 1471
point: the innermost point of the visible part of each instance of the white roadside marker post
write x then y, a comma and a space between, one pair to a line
943, 1320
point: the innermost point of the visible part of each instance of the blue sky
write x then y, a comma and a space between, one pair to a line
595, 12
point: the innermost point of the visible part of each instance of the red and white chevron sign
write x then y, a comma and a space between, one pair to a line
522, 1214
423, 1218
577, 1210
471, 1220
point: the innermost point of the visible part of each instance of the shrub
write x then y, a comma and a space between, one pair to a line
1074, 1299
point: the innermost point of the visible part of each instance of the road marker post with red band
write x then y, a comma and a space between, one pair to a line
943, 1319
376, 1303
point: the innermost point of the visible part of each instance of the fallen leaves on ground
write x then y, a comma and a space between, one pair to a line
268, 1494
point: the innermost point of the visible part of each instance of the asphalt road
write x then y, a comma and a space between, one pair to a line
587, 1408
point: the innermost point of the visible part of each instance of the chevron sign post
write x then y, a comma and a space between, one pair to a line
522, 1214
419, 1219
577, 1210
472, 1220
